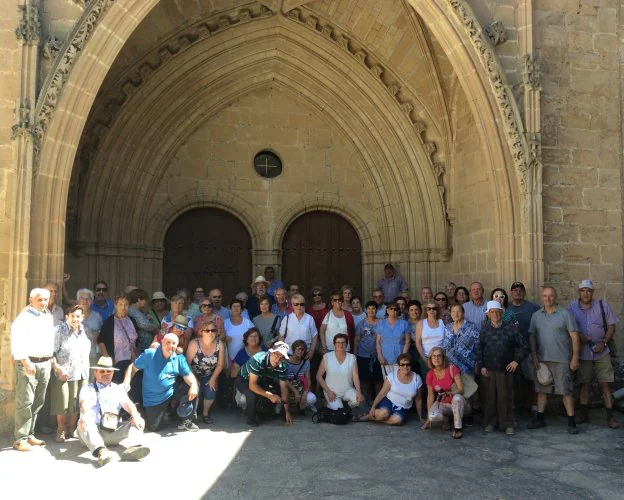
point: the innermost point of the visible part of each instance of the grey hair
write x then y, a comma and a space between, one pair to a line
84, 291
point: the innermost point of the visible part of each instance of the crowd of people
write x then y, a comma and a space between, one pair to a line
106, 369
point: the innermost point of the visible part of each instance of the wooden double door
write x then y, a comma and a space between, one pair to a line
211, 248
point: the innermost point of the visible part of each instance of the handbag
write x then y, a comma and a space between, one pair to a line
341, 416
273, 331
298, 384
109, 421
611, 344
134, 351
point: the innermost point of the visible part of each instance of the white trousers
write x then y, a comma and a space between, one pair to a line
350, 396
93, 438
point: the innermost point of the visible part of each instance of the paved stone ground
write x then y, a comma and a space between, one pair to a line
363, 460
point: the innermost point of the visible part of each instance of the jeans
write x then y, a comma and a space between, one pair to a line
154, 415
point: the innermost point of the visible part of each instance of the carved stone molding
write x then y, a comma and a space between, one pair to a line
23, 124
51, 47
499, 87
54, 82
497, 33
28, 29
531, 76
129, 84
383, 74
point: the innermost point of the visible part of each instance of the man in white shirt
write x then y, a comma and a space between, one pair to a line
32, 346
100, 405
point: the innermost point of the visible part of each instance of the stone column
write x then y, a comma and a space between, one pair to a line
18, 185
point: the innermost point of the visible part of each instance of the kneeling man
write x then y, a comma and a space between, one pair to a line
99, 425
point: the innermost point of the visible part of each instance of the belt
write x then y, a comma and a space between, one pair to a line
40, 360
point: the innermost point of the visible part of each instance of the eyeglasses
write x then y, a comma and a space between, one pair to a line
378, 296
298, 304
206, 305
211, 330
404, 364
391, 308
105, 371
101, 289
432, 308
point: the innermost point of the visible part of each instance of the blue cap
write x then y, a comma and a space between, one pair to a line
185, 408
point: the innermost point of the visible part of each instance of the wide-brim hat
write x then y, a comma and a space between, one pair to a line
181, 320
544, 375
185, 408
159, 296
259, 279
104, 363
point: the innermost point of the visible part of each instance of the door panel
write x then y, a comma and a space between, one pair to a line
210, 248
322, 248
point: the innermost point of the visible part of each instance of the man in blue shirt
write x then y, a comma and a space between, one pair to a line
104, 306
161, 368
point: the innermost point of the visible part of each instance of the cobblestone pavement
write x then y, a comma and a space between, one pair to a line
361, 460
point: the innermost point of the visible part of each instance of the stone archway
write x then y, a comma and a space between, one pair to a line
207, 247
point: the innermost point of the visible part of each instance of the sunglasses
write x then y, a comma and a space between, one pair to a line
211, 330
101, 289
499, 296
404, 364
317, 295
432, 308
180, 327
391, 308
297, 304
441, 298
336, 300
206, 305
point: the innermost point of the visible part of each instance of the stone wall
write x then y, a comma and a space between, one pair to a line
577, 44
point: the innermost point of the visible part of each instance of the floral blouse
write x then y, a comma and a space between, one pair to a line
71, 350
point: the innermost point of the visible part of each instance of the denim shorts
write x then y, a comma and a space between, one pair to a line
207, 392
387, 405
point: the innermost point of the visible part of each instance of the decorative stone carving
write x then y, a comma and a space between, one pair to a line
501, 90
53, 85
22, 126
531, 72
131, 82
28, 29
497, 33
51, 47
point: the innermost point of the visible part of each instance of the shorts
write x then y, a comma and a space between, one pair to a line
207, 392
603, 367
387, 405
367, 372
563, 383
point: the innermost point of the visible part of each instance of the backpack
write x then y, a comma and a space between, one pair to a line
342, 416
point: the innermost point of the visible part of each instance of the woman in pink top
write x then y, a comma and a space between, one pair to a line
442, 401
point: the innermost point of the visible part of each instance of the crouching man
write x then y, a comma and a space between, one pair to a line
169, 386
99, 425
261, 369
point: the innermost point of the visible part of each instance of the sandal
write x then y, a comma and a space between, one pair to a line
446, 425
458, 434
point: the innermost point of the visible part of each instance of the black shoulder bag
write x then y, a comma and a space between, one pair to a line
611, 343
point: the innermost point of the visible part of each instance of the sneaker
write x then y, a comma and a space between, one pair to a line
510, 431
134, 453
208, 420
613, 423
536, 424
573, 430
60, 437
489, 428
104, 456
187, 425
22, 445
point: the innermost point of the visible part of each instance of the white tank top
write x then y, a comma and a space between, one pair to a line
432, 337
339, 377
401, 394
